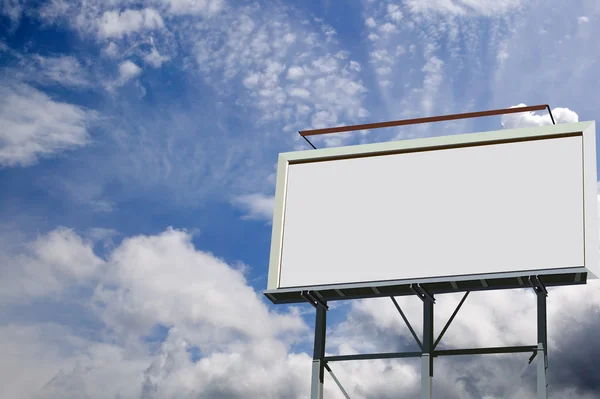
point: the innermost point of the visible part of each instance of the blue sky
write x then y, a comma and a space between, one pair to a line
138, 142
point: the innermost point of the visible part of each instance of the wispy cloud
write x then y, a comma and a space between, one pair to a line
64, 71
201, 7
293, 73
255, 206
32, 125
117, 24
465, 7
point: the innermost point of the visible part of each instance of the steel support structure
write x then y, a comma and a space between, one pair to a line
427, 347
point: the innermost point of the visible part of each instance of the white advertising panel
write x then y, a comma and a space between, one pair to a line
513, 202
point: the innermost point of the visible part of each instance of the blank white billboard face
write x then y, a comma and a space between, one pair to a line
488, 208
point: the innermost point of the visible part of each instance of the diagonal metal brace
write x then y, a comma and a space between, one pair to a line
339, 384
313, 299
308, 141
422, 293
412, 331
437, 341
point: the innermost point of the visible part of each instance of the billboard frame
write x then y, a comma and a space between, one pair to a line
426, 289
442, 284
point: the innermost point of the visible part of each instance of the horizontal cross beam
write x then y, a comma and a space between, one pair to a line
373, 356
436, 353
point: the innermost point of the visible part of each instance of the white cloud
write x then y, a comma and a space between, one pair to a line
355, 66
583, 20
299, 92
255, 206
115, 24
13, 9
434, 74
253, 51
370, 22
63, 70
502, 54
388, 28
102, 206
295, 73
32, 125
112, 50
394, 12
50, 265
464, 7
383, 70
381, 55
525, 119
149, 281
60, 70
101, 234
155, 59
194, 7
128, 70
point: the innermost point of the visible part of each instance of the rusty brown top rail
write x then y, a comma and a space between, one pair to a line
466, 115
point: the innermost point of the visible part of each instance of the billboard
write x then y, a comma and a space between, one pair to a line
486, 208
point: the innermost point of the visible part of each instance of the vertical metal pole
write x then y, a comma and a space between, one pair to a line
542, 352
427, 357
318, 365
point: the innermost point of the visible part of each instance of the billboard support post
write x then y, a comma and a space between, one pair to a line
427, 357
318, 364
542, 338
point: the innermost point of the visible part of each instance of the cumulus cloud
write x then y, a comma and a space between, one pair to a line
387, 28
255, 206
128, 70
155, 59
168, 320
295, 72
115, 24
526, 119
32, 125
48, 266
394, 12
217, 338
374, 326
